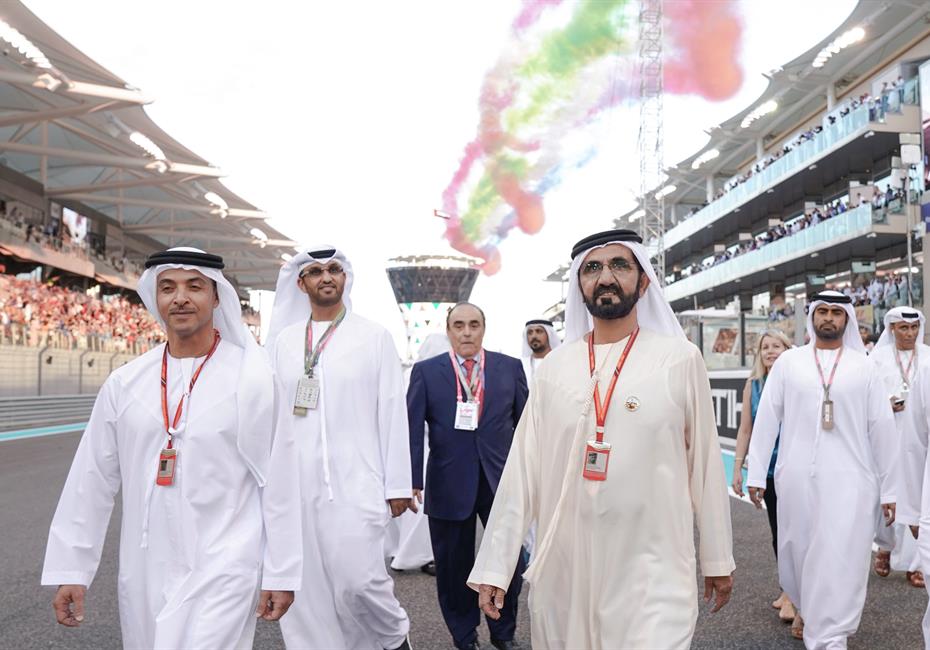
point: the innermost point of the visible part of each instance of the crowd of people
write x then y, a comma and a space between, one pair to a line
889, 99
34, 314
780, 231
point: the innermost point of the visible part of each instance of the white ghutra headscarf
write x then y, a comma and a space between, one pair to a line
851, 338
291, 305
652, 310
900, 315
554, 340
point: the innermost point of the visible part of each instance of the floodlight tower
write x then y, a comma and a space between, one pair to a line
650, 131
425, 287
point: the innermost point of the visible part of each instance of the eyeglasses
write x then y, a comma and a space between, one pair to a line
617, 266
316, 272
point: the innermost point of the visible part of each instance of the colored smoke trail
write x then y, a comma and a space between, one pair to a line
550, 84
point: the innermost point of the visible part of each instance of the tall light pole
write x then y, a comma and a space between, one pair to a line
650, 142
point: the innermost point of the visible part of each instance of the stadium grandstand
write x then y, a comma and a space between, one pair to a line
818, 184
89, 187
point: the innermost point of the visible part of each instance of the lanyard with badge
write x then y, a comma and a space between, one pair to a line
468, 410
308, 386
597, 452
169, 455
905, 373
826, 409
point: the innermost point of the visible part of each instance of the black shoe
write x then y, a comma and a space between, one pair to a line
474, 645
501, 644
429, 569
403, 646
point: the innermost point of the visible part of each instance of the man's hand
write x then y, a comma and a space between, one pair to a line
723, 585
272, 605
399, 506
66, 596
415, 501
915, 531
888, 510
755, 495
491, 601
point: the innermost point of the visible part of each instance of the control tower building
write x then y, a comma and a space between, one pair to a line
425, 286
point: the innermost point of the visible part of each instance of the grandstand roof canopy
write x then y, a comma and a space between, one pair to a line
799, 88
83, 134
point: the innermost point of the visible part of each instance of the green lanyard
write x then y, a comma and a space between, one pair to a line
311, 353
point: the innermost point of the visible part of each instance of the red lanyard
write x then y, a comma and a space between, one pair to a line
905, 374
600, 410
164, 386
474, 392
827, 385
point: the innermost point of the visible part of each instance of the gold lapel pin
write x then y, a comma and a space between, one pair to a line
631, 403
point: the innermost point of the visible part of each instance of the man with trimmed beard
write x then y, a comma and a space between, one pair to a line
539, 339
616, 458
837, 448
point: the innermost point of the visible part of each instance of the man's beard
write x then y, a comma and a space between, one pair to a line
830, 335
612, 310
536, 345
327, 301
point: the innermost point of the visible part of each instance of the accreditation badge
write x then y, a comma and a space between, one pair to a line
166, 464
596, 458
466, 416
826, 419
308, 395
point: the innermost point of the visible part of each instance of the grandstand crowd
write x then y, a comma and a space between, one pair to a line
889, 100
817, 215
34, 314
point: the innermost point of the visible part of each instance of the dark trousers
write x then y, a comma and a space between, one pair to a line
454, 554
771, 508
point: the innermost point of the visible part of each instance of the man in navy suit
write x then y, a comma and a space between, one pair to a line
472, 400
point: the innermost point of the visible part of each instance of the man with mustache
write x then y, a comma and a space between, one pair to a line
539, 339
471, 400
340, 394
616, 458
897, 359
837, 449
185, 432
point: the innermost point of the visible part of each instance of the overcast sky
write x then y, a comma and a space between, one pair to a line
345, 120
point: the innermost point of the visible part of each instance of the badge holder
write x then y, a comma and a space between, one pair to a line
308, 395
466, 415
596, 459
166, 463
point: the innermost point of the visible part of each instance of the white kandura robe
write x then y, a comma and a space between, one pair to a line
897, 538
190, 558
914, 488
615, 562
354, 454
829, 484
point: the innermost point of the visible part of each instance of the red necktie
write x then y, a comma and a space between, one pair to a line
469, 367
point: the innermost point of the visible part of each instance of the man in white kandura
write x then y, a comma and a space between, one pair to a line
539, 339
204, 480
836, 452
341, 395
913, 505
896, 357
616, 456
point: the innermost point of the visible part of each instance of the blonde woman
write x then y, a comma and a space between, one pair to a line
771, 344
